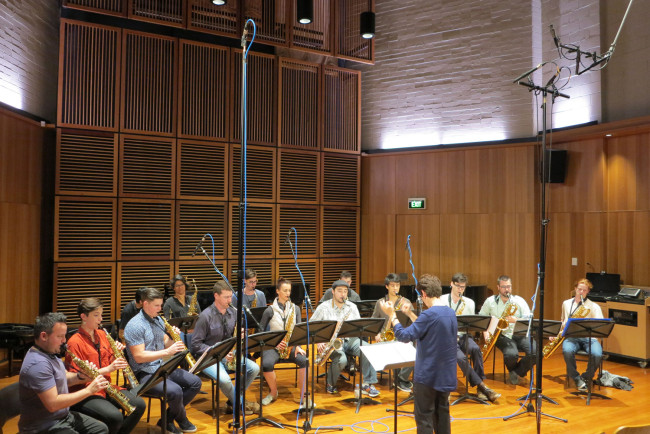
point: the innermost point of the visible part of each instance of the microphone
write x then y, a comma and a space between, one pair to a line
287, 239
556, 40
243, 36
198, 246
527, 73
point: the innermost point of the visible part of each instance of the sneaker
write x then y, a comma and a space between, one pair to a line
171, 428
269, 399
252, 406
404, 386
331, 389
514, 378
187, 426
581, 385
488, 394
369, 390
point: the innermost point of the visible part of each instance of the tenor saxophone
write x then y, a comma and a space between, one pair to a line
193, 310
549, 349
462, 306
118, 354
90, 371
176, 338
502, 324
291, 322
335, 343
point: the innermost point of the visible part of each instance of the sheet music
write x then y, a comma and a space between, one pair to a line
198, 362
393, 354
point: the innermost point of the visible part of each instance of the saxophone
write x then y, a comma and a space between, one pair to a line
335, 343
193, 310
254, 302
175, 336
462, 306
90, 371
549, 349
291, 322
387, 334
502, 324
232, 364
117, 353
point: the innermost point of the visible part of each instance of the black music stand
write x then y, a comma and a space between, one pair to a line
210, 357
365, 307
549, 328
184, 324
257, 313
588, 328
311, 333
161, 375
360, 328
261, 342
471, 323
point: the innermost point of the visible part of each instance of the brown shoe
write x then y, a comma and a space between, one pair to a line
252, 406
487, 393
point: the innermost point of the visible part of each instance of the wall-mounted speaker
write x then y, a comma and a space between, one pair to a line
556, 160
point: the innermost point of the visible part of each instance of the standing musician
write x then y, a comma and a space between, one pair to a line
508, 344
341, 309
252, 297
352, 296
392, 283
281, 315
215, 324
571, 346
147, 344
435, 331
178, 305
43, 385
91, 344
465, 306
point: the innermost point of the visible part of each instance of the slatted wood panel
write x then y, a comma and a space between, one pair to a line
84, 229
147, 166
133, 275
331, 272
260, 221
261, 98
265, 269
341, 179
168, 12
316, 36
86, 163
341, 110
271, 18
194, 219
202, 169
305, 220
299, 176
145, 229
299, 104
88, 75
149, 83
340, 236
260, 168
350, 44
310, 272
112, 7
203, 94
202, 272
72, 282
204, 16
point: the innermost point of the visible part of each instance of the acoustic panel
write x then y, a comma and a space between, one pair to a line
304, 219
340, 231
299, 176
350, 44
196, 219
168, 12
341, 110
260, 170
202, 169
259, 237
299, 104
207, 17
263, 267
317, 35
202, 272
341, 179
308, 268
111, 7
134, 275
147, 166
271, 18
145, 229
331, 272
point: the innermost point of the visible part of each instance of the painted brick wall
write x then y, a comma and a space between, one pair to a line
29, 55
443, 69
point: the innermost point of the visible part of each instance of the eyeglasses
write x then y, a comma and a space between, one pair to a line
505, 286
460, 286
178, 284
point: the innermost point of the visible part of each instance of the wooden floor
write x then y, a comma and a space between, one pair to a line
625, 407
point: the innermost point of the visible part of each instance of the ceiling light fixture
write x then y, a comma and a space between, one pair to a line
367, 25
305, 11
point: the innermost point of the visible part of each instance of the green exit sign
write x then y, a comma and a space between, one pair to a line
417, 203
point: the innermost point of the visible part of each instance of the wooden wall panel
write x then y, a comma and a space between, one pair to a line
425, 245
202, 272
111, 7
349, 43
340, 179
420, 175
299, 103
168, 12
299, 176
265, 269
628, 243
260, 170
145, 229
378, 247
331, 272
193, 220
134, 275
339, 231
147, 166
260, 221
304, 219
310, 272
271, 18
378, 185
88, 75
317, 35
207, 17
627, 172
201, 167
341, 109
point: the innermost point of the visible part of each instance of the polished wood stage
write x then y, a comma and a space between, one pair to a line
624, 408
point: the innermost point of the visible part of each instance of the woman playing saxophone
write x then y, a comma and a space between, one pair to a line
281, 315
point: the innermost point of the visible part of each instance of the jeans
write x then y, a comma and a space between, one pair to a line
570, 347
182, 387
225, 383
339, 360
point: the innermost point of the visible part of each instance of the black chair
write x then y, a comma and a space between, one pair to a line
10, 407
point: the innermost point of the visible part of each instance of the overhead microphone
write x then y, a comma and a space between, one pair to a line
198, 246
556, 40
527, 73
287, 239
243, 36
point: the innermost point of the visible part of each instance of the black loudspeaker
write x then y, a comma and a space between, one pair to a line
556, 160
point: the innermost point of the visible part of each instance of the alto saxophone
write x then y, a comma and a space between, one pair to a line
502, 324
388, 334
335, 343
291, 322
193, 310
176, 338
117, 353
462, 306
90, 371
549, 349
232, 364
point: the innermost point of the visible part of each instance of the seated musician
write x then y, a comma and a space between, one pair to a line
392, 283
508, 344
281, 314
465, 306
570, 346
252, 297
178, 305
130, 310
91, 344
43, 384
341, 309
215, 324
352, 296
146, 344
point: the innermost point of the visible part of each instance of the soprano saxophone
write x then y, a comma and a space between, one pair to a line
117, 353
291, 322
90, 371
176, 338
193, 310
